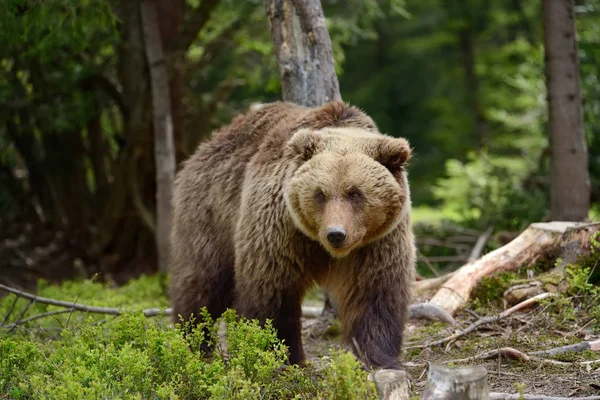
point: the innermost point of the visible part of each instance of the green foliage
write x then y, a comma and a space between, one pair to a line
583, 293
487, 190
134, 357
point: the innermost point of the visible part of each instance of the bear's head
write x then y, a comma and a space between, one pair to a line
350, 188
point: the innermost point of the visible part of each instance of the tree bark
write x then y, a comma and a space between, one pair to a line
305, 58
391, 384
163, 130
304, 52
570, 185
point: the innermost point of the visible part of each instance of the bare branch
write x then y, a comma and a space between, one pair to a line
38, 316
578, 347
23, 311
148, 312
484, 321
480, 245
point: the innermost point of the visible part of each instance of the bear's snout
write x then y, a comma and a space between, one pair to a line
336, 235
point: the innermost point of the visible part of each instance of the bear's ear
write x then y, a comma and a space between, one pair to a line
394, 154
305, 143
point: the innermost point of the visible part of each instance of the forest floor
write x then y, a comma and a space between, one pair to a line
27, 254
539, 328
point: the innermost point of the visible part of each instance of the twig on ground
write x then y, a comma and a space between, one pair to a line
578, 347
518, 396
485, 321
149, 312
508, 353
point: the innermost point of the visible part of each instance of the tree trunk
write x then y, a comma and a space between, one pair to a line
303, 50
570, 185
305, 58
163, 130
463, 383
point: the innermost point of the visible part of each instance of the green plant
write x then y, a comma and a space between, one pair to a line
134, 357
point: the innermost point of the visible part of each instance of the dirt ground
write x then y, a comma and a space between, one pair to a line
527, 331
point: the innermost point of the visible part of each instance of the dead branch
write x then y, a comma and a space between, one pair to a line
433, 269
578, 347
430, 312
480, 244
484, 321
510, 354
38, 316
149, 312
507, 396
23, 311
432, 283
537, 241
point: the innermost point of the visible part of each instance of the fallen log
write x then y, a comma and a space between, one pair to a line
537, 241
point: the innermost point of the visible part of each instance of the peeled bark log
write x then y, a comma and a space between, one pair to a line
537, 241
164, 151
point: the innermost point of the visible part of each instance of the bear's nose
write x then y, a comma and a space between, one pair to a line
336, 235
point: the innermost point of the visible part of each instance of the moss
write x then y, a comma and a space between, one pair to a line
490, 290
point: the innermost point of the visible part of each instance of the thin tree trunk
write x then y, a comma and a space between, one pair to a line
303, 50
570, 185
163, 130
305, 58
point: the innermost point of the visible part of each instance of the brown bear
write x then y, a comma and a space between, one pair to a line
288, 196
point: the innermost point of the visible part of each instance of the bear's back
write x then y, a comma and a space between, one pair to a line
208, 186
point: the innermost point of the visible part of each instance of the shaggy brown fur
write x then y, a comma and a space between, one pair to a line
254, 212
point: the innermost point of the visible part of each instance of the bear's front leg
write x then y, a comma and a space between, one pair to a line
270, 287
373, 304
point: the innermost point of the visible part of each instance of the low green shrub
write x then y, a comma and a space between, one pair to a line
134, 357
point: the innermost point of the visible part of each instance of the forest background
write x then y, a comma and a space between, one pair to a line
462, 81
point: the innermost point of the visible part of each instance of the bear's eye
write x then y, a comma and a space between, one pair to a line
320, 196
354, 194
